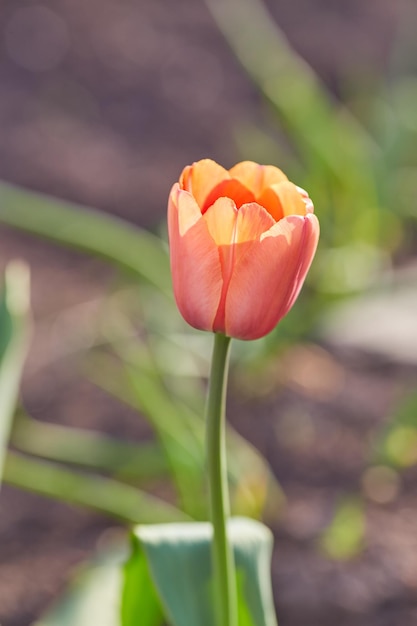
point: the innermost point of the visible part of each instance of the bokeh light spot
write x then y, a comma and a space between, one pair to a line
381, 484
401, 446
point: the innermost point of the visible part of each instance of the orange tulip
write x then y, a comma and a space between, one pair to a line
241, 243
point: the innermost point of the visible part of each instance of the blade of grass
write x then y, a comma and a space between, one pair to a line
104, 495
88, 230
335, 149
89, 449
288, 81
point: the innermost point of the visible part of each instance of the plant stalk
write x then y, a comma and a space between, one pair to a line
223, 559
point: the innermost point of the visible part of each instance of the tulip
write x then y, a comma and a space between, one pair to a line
241, 243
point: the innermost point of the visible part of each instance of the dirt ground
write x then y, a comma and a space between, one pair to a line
103, 103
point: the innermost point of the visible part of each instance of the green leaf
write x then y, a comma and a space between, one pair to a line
6, 324
89, 230
14, 335
139, 597
179, 557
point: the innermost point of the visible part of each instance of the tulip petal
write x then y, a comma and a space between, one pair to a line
195, 263
190, 212
267, 279
253, 220
257, 177
201, 177
229, 189
307, 200
221, 220
241, 243
270, 200
290, 198
312, 233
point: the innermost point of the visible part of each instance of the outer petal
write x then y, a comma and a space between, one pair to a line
252, 222
195, 263
235, 232
257, 177
312, 234
221, 220
268, 278
201, 177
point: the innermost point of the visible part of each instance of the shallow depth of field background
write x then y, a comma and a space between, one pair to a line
102, 104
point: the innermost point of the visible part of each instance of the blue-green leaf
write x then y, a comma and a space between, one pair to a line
179, 557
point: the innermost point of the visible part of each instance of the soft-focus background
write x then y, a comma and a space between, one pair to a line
102, 104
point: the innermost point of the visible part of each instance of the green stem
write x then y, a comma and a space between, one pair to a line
223, 561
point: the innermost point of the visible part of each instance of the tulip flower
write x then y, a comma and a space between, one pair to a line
241, 243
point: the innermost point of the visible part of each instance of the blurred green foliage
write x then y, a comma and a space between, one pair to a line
131, 362
396, 444
357, 158
344, 537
